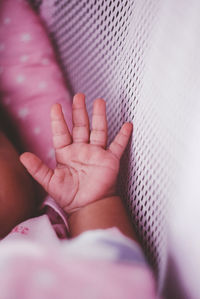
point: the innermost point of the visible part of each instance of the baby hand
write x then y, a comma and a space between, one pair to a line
86, 171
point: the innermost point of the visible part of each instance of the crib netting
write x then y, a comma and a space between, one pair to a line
142, 57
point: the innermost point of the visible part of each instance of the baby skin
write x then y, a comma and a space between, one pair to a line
84, 180
17, 190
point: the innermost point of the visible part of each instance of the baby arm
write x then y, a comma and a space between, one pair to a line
84, 180
105, 213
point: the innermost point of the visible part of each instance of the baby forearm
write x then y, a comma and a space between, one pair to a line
105, 213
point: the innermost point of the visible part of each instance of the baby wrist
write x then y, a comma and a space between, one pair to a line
105, 213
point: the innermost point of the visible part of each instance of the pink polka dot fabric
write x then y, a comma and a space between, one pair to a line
30, 79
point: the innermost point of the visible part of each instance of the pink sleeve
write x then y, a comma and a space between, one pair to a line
97, 264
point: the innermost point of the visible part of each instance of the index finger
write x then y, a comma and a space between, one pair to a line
60, 132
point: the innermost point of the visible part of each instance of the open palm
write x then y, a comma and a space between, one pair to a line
86, 171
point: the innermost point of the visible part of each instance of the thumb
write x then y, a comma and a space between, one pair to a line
37, 169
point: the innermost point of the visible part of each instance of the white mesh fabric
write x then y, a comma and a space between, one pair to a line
143, 58
170, 97
172, 83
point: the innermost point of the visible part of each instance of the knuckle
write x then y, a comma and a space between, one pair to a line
38, 169
118, 144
